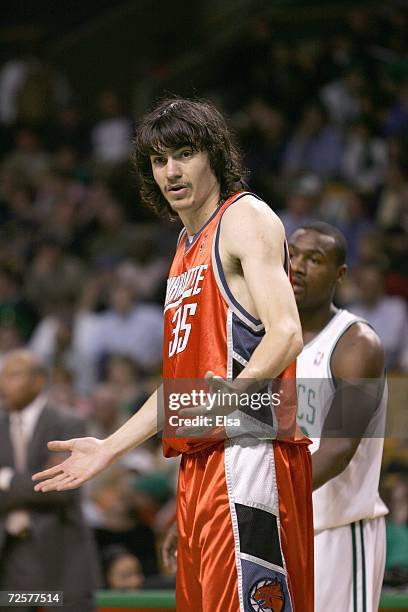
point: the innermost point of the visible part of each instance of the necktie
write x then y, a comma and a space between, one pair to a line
18, 521
19, 440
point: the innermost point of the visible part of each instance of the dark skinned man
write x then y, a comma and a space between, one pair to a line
341, 406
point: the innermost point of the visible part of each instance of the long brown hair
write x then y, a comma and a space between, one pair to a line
178, 122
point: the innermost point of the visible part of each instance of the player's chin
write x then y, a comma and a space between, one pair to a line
300, 295
181, 205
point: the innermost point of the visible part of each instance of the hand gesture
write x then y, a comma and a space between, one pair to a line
88, 457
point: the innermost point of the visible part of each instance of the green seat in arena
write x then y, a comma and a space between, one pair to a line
165, 601
394, 601
136, 601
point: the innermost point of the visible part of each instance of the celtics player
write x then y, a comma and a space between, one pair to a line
341, 405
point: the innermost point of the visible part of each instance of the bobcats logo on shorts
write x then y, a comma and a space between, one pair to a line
267, 596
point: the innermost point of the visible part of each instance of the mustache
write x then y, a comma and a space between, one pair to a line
176, 186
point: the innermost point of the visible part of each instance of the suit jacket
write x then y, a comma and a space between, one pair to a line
63, 542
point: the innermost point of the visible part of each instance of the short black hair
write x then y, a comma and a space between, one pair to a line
326, 229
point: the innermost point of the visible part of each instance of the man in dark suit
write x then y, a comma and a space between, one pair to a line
44, 541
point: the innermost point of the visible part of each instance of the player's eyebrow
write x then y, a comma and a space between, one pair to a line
306, 250
161, 151
317, 250
157, 154
170, 150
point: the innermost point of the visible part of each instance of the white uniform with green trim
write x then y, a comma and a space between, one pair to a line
348, 512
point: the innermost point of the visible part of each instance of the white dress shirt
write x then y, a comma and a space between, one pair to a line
18, 521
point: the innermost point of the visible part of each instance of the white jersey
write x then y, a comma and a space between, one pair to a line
353, 494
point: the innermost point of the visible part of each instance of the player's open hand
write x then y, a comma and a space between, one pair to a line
169, 549
88, 457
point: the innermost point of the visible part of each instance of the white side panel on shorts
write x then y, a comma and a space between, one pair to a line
252, 471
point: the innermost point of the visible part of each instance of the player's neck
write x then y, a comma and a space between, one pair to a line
194, 219
314, 319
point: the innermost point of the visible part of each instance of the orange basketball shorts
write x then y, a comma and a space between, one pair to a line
245, 526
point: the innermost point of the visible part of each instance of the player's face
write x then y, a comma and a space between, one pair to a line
185, 178
314, 266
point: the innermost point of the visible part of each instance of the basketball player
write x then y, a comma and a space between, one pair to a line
244, 509
340, 373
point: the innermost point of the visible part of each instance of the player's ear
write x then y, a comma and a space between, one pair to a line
341, 273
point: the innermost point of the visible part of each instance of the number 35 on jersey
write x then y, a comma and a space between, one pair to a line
179, 288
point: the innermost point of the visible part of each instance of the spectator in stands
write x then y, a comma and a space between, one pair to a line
316, 146
106, 415
70, 130
12, 75
54, 274
119, 522
355, 225
264, 133
10, 339
63, 390
59, 340
341, 97
396, 565
20, 203
15, 309
29, 159
112, 235
387, 314
111, 136
126, 380
43, 90
371, 248
393, 202
395, 246
364, 160
396, 120
129, 328
302, 204
123, 570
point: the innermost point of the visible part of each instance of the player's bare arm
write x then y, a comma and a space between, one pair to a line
90, 456
358, 356
252, 253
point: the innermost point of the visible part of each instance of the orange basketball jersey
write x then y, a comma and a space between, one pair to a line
205, 328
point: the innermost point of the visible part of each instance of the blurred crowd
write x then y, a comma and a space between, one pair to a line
323, 123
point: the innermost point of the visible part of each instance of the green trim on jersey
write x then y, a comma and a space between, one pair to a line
364, 567
353, 538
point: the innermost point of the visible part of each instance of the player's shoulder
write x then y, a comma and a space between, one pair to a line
361, 335
250, 204
251, 214
361, 349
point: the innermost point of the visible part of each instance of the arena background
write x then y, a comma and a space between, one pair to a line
317, 93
